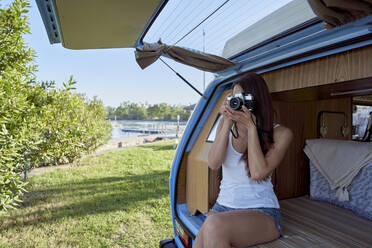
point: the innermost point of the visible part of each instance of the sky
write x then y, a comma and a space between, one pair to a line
113, 74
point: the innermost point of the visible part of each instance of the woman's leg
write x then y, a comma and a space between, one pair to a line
238, 228
199, 238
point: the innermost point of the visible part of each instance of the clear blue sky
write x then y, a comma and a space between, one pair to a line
114, 76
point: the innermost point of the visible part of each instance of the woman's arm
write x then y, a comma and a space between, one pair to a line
217, 153
260, 166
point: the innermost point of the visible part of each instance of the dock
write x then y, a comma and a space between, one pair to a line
146, 131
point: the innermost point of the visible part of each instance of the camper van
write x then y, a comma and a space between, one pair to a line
319, 73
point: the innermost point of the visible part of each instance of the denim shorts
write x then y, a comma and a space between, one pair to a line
274, 213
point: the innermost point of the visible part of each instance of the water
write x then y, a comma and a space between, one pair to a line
168, 127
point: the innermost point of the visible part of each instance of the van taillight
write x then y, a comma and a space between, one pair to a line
185, 239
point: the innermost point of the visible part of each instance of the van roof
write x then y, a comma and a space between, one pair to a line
290, 15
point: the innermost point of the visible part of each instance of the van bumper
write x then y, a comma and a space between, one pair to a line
167, 243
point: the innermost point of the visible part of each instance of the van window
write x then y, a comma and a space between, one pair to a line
207, 25
361, 116
212, 133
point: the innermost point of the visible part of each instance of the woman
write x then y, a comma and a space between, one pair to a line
249, 147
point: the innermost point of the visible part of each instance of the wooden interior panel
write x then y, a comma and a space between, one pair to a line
363, 100
202, 184
181, 181
197, 185
215, 177
348, 65
333, 124
357, 88
292, 175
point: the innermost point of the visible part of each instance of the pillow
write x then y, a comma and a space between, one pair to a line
360, 191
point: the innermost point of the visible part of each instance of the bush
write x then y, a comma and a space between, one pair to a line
39, 124
69, 125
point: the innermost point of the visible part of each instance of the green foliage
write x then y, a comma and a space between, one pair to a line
16, 135
39, 124
140, 111
69, 124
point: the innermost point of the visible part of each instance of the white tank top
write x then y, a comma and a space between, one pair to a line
237, 190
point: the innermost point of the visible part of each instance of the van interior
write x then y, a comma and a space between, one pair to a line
316, 99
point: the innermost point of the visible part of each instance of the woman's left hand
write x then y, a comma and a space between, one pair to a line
245, 117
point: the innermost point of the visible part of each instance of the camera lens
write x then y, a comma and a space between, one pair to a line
235, 103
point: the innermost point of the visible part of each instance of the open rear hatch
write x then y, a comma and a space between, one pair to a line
94, 24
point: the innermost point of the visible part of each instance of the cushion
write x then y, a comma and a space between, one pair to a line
360, 191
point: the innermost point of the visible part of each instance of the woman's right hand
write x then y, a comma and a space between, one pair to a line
224, 109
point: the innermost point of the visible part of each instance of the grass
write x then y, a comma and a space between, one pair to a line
116, 199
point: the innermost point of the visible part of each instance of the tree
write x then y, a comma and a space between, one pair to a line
39, 124
16, 77
135, 111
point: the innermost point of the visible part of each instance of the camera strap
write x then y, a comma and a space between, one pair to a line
234, 127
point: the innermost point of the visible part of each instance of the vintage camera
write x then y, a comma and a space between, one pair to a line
237, 101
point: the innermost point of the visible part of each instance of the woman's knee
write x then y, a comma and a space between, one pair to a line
214, 226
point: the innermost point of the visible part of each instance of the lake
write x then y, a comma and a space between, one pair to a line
166, 127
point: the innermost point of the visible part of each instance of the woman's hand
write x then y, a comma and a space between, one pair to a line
244, 117
224, 110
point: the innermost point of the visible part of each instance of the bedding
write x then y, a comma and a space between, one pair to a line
360, 191
339, 161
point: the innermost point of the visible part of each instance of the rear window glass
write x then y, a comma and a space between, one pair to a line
361, 117
213, 132
178, 22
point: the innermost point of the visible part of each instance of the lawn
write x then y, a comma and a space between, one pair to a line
116, 199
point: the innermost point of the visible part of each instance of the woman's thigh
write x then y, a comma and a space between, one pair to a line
243, 227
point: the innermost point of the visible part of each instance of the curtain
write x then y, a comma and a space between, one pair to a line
339, 12
150, 52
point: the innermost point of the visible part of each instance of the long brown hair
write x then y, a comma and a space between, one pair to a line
263, 110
